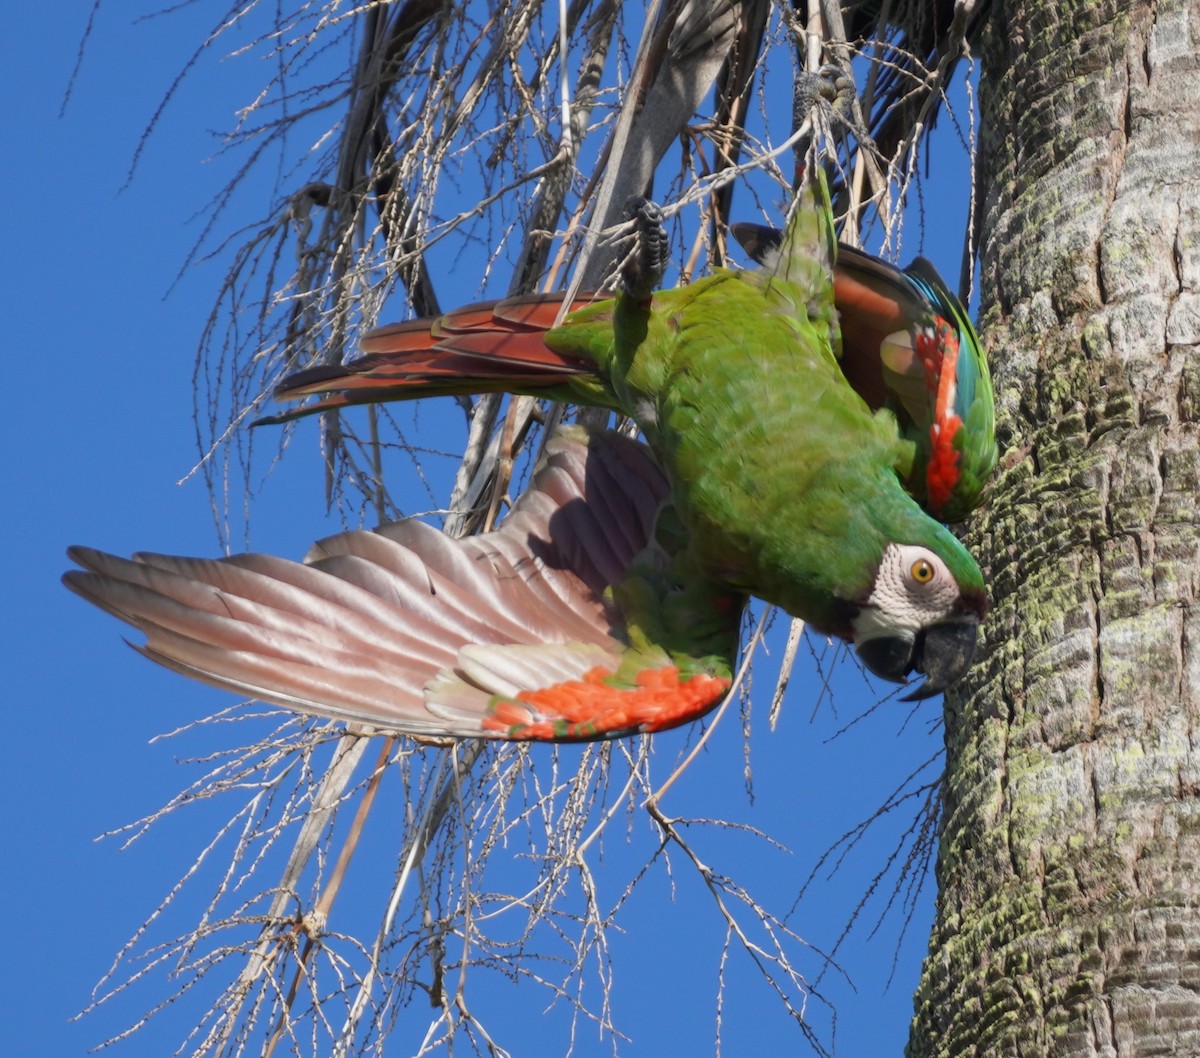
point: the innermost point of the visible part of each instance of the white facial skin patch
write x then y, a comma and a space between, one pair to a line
913, 588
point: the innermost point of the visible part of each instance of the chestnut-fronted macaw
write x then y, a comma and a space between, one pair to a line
610, 599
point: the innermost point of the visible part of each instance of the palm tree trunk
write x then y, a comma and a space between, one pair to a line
1068, 918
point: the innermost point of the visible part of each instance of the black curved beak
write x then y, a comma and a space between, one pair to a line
942, 653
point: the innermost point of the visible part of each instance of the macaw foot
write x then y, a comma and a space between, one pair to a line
643, 266
830, 83
598, 705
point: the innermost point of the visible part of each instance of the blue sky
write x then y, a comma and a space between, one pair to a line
98, 435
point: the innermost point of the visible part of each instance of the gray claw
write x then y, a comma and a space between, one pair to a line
643, 267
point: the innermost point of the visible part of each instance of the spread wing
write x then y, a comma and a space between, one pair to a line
511, 634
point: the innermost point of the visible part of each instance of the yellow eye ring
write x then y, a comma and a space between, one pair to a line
922, 571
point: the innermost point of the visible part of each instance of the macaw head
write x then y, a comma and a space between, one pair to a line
921, 615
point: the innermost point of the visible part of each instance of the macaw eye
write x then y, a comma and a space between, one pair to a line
922, 571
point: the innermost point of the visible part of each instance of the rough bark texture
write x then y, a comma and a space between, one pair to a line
1068, 918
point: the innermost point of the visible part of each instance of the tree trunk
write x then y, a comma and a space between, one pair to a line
1068, 919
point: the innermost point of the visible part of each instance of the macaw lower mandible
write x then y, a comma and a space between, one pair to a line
610, 599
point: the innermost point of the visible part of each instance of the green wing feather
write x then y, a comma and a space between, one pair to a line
909, 345
961, 451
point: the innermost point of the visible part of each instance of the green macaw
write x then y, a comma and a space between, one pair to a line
610, 599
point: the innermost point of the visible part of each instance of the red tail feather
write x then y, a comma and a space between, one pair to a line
490, 345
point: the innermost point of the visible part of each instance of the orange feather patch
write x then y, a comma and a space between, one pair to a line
939, 354
594, 706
